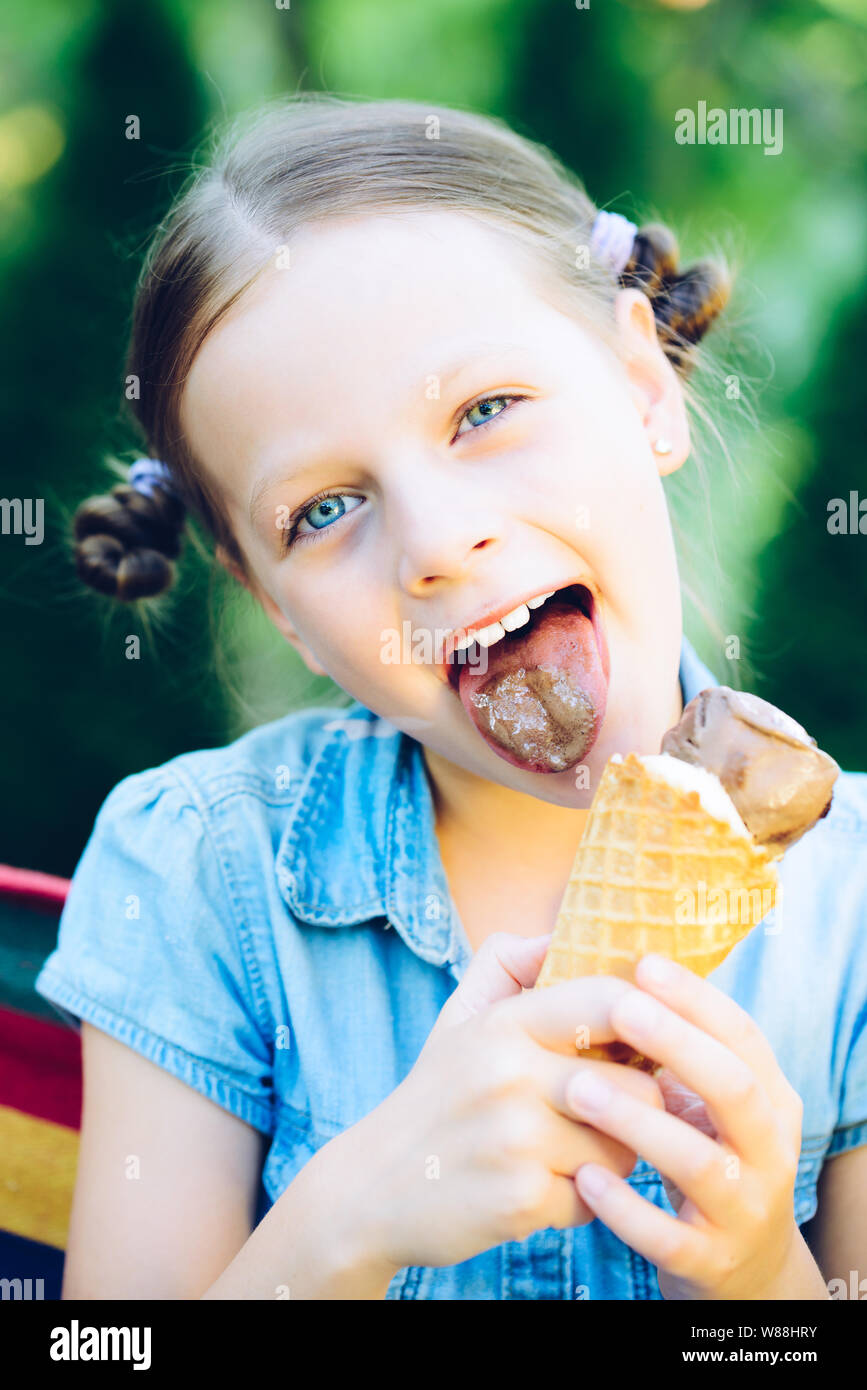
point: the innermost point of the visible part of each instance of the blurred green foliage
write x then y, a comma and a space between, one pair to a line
601, 87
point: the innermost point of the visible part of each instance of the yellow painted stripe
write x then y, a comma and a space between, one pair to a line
37, 1175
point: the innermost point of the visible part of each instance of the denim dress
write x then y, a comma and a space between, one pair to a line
271, 922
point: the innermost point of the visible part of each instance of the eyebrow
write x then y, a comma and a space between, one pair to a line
468, 357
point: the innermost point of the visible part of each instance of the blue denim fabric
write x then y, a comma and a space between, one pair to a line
271, 922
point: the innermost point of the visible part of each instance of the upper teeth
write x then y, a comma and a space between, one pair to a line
487, 636
518, 616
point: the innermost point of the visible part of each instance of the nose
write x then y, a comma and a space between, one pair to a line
440, 519
438, 549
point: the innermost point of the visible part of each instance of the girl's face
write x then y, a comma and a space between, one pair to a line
478, 447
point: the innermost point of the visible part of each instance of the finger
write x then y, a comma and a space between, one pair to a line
703, 1170
665, 1241
548, 1141
565, 1141
737, 1103
564, 1206
557, 1204
709, 1008
572, 1142
570, 1015
557, 1075
504, 965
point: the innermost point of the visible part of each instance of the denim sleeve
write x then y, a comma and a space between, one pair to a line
851, 1130
153, 950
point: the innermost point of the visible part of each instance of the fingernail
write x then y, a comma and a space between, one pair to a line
592, 1181
588, 1092
657, 969
640, 1013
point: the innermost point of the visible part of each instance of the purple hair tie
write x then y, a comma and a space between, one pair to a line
146, 473
611, 240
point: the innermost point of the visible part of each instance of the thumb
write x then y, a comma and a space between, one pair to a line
504, 964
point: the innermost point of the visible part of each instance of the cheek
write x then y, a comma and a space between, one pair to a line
601, 493
580, 446
591, 479
349, 631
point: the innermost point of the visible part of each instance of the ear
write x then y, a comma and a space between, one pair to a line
272, 610
654, 384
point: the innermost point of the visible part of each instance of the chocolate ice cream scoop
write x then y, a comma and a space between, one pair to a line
778, 778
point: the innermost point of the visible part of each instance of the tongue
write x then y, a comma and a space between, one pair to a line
541, 701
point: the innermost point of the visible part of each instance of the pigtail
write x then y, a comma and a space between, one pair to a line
126, 541
685, 302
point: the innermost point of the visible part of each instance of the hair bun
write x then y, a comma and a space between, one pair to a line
685, 303
126, 541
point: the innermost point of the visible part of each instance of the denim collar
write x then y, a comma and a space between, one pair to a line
360, 841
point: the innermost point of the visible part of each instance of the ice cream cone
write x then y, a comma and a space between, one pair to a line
655, 871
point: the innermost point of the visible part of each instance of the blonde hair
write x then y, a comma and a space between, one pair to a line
306, 158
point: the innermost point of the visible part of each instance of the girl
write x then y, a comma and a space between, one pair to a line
415, 385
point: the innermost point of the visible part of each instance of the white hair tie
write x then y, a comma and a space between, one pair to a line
146, 473
611, 240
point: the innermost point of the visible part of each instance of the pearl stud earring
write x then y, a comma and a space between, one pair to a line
661, 446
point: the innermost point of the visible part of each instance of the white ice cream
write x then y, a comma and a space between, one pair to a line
688, 777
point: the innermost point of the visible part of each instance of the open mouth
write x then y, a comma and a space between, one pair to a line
472, 653
535, 681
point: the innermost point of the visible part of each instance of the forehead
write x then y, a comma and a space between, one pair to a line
356, 273
367, 306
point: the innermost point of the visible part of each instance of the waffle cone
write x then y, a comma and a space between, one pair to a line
654, 872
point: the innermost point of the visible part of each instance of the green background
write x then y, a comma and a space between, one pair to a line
600, 86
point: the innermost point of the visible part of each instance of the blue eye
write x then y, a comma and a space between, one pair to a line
488, 414
324, 512
320, 513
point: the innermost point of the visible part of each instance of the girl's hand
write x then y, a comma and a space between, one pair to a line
728, 1143
478, 1144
